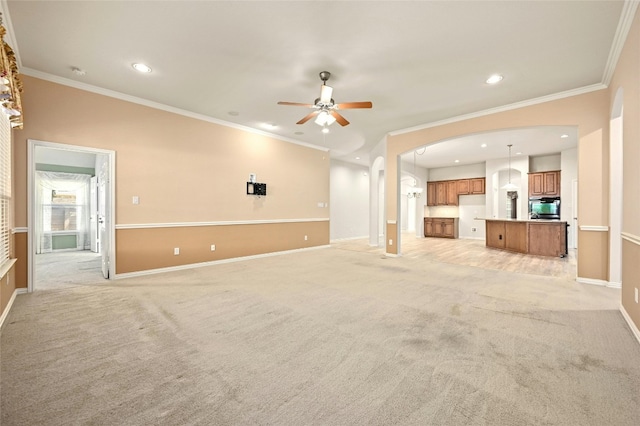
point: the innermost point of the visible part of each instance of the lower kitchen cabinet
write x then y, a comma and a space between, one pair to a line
539, 237
442, 227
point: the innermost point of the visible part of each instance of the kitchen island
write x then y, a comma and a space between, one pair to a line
535, 236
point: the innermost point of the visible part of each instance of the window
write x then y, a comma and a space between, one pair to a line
5, 188
63, 210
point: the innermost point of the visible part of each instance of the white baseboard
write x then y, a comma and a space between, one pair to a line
337, 240
213, 262
592, 281
632, 326
611, 284
5, 314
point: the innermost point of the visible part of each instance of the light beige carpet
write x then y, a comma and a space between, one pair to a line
323, 337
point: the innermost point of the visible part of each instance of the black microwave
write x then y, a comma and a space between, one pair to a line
544, 208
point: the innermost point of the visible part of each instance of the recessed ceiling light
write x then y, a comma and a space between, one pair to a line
496, 78
269, 126
141, 67
357, 158
518, 153
564, 136
456, 161
484, 145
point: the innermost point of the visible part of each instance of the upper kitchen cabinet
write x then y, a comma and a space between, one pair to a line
446, 192
477, 186
544, 184
432, 196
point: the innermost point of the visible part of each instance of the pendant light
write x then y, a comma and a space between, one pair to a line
510, 186
414, 192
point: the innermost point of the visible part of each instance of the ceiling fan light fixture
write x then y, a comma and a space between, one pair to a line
325, 94
325, 119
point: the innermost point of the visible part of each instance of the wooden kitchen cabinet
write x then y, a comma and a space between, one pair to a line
432, 196
495, 234
538, 237
507, 235
452, 193
441, 227
446, 192
441, 193
477, 186
548, 239
544, 184
463, 186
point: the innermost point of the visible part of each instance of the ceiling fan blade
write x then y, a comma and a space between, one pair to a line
353, 105
308, 117
340, 119
296, 104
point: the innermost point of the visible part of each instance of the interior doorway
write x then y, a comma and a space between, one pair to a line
70, 214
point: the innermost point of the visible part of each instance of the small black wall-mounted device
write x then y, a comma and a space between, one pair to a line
254, 188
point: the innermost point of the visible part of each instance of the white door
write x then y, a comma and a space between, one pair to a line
93, 215
104, 203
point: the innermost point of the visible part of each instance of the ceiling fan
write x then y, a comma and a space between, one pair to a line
325, 108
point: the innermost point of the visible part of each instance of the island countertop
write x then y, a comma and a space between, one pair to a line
521, 220
530, 236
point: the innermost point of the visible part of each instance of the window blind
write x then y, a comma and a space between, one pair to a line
5, 188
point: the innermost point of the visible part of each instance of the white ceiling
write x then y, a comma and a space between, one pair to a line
419, 62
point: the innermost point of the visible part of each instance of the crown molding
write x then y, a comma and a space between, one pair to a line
509, 107
624, 24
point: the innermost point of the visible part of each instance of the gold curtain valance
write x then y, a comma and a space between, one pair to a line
10, 84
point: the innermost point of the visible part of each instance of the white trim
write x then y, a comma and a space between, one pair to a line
391, 255
7, 308
391, 222
592, 281
156, 105
601, 283
631, 238
20, 230
595, 228
622, 31
632, 326
212, 263
337, 240
219, 223
111, 154
612, 284
6, 266
517, 105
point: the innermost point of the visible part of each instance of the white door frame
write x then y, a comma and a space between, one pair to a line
31, 170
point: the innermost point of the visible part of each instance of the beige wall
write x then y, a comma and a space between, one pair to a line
183, 170
626, 78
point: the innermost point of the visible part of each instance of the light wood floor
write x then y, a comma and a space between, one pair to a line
472, 253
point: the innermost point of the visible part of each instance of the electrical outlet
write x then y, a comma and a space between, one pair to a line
136, 199
176, 251
636, 294
390, 242
474, 229
213, 247
305, 238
